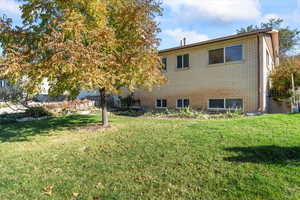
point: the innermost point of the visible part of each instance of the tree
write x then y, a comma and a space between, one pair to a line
281, 78
84, 44
289, 38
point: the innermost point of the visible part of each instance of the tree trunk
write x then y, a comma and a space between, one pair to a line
103, 102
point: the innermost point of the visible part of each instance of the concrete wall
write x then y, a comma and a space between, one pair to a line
202, 81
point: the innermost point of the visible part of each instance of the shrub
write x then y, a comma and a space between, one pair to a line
129, 101
37, 112
62, 108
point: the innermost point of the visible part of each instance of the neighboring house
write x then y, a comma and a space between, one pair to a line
225, 73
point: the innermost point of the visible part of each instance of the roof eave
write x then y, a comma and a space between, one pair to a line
270, 31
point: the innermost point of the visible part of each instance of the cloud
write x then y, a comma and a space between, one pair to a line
191, 36
221, 10
9, 7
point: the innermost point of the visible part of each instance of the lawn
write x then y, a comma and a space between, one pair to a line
137, 158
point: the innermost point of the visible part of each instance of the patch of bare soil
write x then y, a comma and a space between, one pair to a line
94, 128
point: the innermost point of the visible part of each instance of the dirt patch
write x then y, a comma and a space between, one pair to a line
94, 128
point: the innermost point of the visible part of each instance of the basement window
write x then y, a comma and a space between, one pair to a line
222, 104
183, 103
161, 103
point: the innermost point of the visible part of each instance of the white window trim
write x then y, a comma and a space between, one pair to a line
224, 54
217, 108
182, 61
161, 104
182, 103
224, 103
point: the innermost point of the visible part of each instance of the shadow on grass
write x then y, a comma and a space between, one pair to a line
267, 155
15, 132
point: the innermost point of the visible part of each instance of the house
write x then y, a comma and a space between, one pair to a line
220, 74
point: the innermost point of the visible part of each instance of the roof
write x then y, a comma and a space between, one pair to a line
270, 31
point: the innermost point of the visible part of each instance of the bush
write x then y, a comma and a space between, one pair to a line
193, 114
129, 101
66, 107
37, 112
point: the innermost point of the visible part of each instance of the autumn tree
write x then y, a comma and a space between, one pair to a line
289, 38
83, 44
281, 78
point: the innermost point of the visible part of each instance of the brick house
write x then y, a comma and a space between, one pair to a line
225, 73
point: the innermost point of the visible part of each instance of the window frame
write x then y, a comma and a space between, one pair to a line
224, 99
183, 66
216, 108
161, 103
224, 55
165, 65
182, 99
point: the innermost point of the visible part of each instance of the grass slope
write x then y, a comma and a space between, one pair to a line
249, 158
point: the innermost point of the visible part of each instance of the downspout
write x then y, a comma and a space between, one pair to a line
258, 73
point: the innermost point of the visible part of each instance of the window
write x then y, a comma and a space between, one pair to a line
231, 104
216, 104
183, 103
183, 61
164, 61
216, 56
234, 104
161, 103
234, 53
227, 54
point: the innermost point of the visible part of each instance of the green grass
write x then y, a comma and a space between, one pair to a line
248, 158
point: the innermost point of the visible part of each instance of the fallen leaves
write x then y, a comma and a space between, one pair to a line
48, 190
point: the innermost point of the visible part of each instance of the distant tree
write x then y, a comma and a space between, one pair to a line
289, 38
83, 44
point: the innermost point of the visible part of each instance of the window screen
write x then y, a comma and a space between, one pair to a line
216, 103
186, 60
164, 61
234, 53
234, 104
216, 56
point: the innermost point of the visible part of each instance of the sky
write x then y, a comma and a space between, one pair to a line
200, 20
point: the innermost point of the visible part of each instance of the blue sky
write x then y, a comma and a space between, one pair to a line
199, 20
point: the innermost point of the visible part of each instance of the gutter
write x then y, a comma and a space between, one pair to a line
258, 73
236, 36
